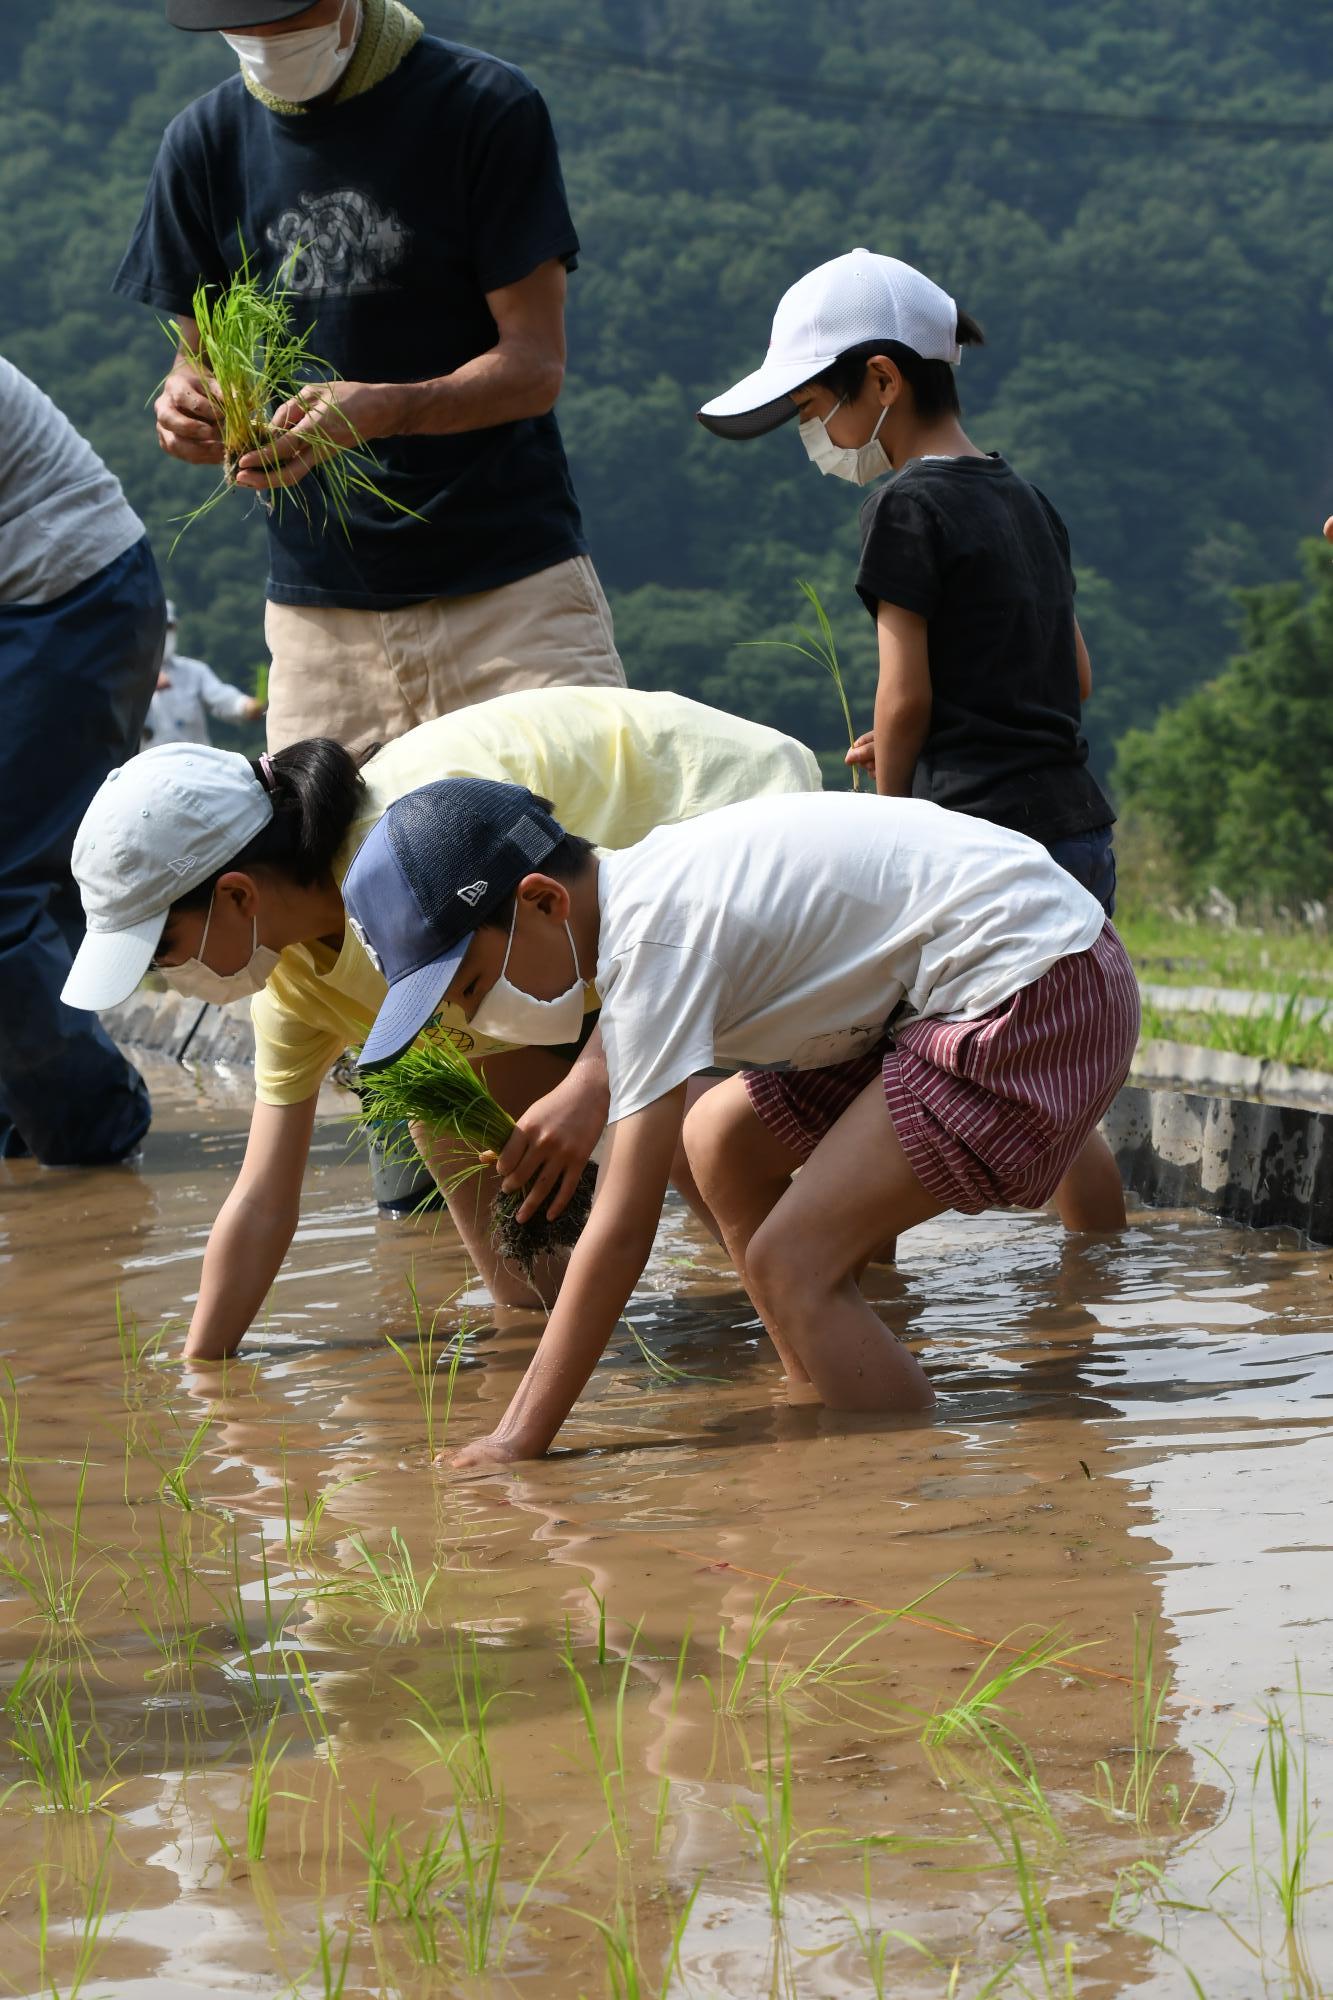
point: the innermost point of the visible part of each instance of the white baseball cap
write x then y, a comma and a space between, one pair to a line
156, 828
839, 305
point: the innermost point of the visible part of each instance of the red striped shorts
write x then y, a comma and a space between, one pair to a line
992, 1112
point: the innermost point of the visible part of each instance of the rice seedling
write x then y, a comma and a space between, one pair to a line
85, 1930
979, 1710
376, 1846
308, 1705
875, 1944
138, 1351
664, 1782
52, 1573
259, 1670
175, 1481
463, 1749
836, 1675
264, 1761
432, 1085
327, 1974
1283, 1764
608, 1764
665, 1371
729, 1694
450, 1893
50, 1746
249, 346
1141, 1790
389, 1583
821, 647
772, 1833
1054, 1965
9, 1437
625, 1978
478, 1891
422, 1363
301, 1543
411, 1887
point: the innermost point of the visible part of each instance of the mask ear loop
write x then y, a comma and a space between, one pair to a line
510, 946
199, 958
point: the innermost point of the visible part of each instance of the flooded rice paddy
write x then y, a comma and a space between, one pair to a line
729, 1697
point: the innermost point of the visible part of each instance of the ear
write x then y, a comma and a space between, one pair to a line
886, 377
547, 895
240, 890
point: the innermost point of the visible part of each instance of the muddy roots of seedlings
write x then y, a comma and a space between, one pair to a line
525, 1244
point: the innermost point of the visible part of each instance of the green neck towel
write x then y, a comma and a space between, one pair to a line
388, 31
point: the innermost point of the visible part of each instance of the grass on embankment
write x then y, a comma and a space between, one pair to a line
1167, 952
1272, 1034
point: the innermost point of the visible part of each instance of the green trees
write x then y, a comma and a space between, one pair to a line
1237, 781
1137, 203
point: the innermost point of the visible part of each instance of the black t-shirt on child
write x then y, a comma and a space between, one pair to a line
984, 558
392, 215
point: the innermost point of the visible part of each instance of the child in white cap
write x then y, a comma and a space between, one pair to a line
965, 568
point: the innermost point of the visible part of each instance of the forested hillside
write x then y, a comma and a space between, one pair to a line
1135, 199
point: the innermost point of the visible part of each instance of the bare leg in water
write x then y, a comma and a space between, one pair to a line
801, 1244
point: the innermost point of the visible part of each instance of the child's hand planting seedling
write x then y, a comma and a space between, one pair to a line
432, 1085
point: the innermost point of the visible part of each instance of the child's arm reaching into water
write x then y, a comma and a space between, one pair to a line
606, 1265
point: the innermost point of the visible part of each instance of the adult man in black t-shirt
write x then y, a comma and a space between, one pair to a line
407, 193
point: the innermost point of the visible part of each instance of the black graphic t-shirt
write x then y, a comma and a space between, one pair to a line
984, 558
392, 216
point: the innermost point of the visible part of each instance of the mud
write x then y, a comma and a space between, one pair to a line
1130, 1436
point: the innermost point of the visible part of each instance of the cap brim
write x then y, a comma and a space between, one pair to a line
410, 1003
200, 15
109, 964
763, 400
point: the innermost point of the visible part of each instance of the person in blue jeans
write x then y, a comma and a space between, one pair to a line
82, 622
966, 570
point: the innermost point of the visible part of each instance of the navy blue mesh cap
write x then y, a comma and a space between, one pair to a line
438, 863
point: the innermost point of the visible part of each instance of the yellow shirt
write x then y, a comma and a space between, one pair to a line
615, 763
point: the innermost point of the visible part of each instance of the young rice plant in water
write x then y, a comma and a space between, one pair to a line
821, 647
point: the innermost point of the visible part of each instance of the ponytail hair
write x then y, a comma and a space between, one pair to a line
932, 383
317, 788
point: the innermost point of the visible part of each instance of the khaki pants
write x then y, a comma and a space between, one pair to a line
368, 676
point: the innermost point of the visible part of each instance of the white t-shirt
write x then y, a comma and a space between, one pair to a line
783, 933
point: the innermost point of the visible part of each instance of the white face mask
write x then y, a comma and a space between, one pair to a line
298, 66
858, 462
199, 981
511, 1015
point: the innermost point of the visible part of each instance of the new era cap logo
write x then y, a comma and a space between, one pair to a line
474, 892
367, 947
183, 865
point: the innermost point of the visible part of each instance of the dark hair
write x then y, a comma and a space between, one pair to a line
564, 864
932, 383
316, 787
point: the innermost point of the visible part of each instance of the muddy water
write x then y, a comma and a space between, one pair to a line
1130, 1438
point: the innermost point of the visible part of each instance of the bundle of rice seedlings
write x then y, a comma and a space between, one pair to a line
249, 348
431, 1084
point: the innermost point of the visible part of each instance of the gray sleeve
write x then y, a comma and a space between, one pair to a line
229, 704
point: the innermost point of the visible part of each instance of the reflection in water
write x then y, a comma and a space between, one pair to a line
1127, 1432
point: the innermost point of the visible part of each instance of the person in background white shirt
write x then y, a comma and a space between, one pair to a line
187, 693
